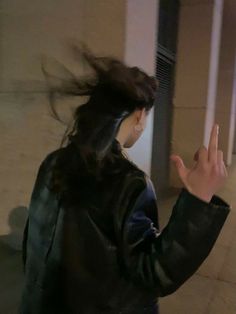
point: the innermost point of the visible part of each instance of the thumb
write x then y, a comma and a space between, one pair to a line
179, 164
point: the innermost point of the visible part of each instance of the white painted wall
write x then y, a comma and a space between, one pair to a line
213, 68
140, 50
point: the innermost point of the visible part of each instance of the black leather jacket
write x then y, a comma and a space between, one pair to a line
110, 256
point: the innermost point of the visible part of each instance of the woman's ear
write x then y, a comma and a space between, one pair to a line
143, 115
140, 115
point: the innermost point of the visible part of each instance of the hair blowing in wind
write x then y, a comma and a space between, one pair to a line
114, 91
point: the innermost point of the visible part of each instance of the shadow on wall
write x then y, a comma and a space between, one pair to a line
16, 220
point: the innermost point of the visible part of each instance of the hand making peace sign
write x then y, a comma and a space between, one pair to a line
208, 174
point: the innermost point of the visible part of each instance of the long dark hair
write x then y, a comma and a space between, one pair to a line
114, 91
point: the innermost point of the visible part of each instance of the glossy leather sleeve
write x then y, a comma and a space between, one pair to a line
163, 261
38, 182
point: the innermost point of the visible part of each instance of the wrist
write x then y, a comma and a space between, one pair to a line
204, 197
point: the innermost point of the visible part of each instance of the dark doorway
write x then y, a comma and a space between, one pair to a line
165, 72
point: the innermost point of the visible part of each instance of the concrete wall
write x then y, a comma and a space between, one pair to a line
28, 29
196, 78
28, 133
226, 99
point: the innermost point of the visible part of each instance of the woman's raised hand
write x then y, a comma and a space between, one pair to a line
208, 174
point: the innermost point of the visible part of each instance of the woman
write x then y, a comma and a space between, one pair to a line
92, 243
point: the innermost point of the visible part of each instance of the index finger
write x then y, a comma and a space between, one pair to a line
213, 144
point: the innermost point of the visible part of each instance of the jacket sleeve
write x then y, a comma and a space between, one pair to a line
163, 261
34, 193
